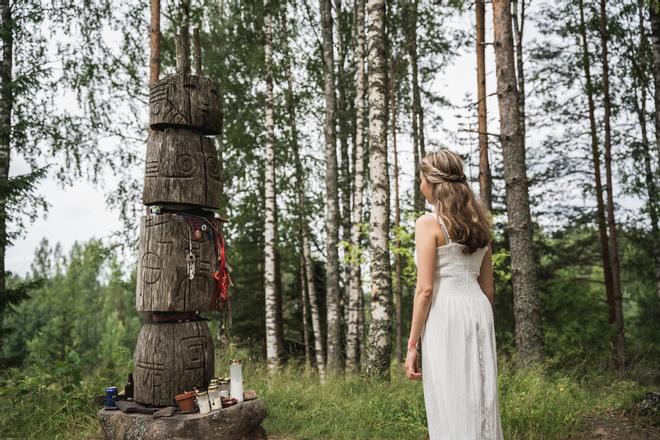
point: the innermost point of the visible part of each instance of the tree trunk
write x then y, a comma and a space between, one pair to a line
273, 324
397, 220
379, 346
154, 43
353, 335
6, 107
518, 26
345, 170
611, 222
651, 188
528, 329
654, 12
595, 153
332, 203
307, 261
485, 182
416, 118
304, 307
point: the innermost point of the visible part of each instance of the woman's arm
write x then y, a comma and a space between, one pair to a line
425, 245
485, 278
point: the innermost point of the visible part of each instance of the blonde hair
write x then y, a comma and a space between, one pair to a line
467, 221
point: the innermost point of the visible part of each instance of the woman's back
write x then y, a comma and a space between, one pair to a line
459, 353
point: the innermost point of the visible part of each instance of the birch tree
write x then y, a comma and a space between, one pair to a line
379, 345
528, 330
273, 347
353, 335
332, 202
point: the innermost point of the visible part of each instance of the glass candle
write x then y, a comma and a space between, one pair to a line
203, 402
236, 380
214, 397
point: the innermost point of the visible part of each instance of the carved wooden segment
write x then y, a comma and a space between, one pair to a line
181, 168
162, 278
182, 51
198, 51
185, 101
171, 358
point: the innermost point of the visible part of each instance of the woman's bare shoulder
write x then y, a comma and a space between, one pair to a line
425, 221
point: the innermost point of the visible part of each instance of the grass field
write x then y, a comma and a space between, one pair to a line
534, 405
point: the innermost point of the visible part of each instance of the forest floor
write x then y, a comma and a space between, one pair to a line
618, 424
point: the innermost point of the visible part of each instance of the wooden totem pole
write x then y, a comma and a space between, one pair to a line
181, 265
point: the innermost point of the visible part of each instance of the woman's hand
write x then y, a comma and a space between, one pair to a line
412, 364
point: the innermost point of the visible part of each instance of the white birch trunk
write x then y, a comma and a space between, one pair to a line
355, 282
273, 350
379, 345
332, 202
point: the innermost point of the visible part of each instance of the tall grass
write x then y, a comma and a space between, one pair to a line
535, 404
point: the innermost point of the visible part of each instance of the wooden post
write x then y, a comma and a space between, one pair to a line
179, 251
198, 51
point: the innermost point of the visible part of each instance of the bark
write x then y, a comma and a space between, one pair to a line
345, 170
595, 153
379, 345
154, 43
417, 120
307, 263
273, 324
654, 12
6, 107
353, 333
528, 329
640, 107
397, 221
304, 308
332, 203
519, 26
485, 181
611, 221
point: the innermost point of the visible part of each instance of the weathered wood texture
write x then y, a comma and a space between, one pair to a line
238, 422
172, 358
185, 101
181, 168
162, 278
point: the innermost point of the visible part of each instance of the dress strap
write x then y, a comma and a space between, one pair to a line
443, 227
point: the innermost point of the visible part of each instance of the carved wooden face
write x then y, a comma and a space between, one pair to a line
185, 101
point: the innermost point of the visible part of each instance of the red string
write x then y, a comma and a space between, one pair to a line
221, 276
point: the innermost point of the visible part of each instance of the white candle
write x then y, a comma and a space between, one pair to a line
236, 380
203, 402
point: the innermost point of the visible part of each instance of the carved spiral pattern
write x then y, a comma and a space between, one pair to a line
185, 165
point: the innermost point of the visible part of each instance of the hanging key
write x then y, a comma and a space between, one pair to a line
190, 260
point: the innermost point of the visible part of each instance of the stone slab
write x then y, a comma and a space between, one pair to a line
238, 422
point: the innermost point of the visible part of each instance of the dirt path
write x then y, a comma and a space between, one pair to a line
616, 424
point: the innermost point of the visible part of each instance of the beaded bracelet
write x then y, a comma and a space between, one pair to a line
412, 344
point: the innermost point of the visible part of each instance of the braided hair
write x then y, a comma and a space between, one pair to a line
462, 212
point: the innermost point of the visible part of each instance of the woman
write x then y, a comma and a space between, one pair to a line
452, 312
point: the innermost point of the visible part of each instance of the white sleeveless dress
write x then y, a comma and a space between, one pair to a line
459, 360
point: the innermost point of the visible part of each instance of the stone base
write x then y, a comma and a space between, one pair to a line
239, 422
